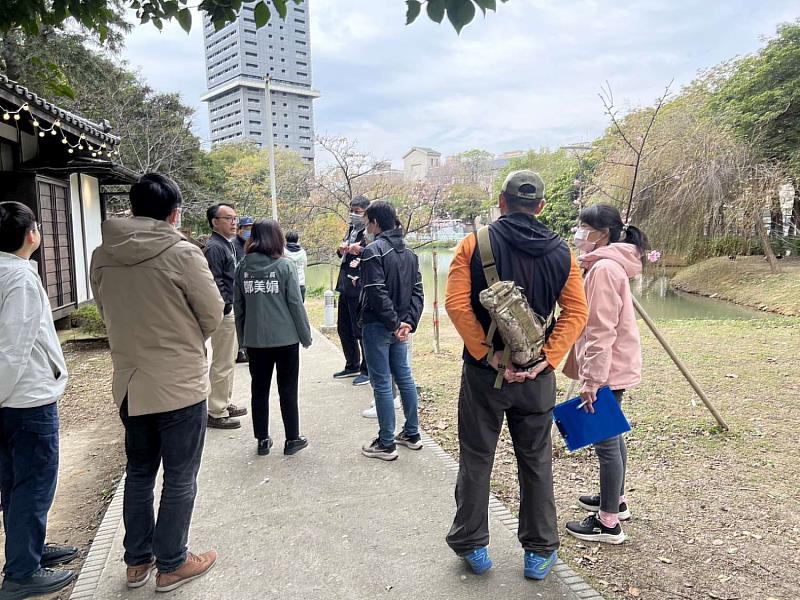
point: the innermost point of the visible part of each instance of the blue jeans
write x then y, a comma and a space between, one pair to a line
28, 474
175, 438
387, 357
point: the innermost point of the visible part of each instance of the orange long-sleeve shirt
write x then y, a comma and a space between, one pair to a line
457, 303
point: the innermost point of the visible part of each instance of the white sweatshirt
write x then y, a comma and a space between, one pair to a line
300, 260
32, 367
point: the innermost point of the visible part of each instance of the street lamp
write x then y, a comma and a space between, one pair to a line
271, 140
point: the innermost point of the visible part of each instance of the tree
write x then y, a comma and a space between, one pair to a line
41, 58
695, 182
549, 164
100, 15
761, 98
466, 202
560, 212
351, 173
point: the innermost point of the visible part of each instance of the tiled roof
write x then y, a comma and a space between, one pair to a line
99, 131
429, 151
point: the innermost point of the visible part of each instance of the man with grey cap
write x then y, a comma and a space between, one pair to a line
540, 262
349, 287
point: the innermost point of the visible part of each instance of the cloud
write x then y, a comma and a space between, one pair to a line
523, 77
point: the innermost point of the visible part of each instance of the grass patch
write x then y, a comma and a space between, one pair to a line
747, 281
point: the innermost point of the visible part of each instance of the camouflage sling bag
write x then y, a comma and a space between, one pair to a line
523, 331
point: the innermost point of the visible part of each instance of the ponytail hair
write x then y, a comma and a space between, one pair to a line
605, 216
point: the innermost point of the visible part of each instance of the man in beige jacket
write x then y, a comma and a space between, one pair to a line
160, 305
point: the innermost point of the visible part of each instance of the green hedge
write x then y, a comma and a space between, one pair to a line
88, 320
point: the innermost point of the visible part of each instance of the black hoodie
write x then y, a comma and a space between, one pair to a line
529, 254
392, 282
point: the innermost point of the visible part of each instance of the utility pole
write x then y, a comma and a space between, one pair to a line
271, 141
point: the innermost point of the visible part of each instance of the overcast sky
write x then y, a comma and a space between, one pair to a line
526, 76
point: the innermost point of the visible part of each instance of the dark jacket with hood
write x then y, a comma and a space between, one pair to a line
539, 262
392, 282
349, 282
222, 260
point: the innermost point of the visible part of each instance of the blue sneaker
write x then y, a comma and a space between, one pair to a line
478, 560
361, 379
537, 567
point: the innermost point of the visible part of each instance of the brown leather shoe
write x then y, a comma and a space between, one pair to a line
194, 567
223, 423
236, 411
140, 574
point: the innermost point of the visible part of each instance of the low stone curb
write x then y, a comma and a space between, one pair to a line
92, 568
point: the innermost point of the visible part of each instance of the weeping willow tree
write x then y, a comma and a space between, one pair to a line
683, 176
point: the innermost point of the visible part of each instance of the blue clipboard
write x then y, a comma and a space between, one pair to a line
580, 429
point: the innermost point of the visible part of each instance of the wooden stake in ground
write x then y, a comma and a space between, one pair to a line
678, 363
436, 302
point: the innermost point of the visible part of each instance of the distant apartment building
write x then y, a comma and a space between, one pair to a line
418, 162
237, 59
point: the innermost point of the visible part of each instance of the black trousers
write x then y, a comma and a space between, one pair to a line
262, 362
175, 440
350, 334
528, 407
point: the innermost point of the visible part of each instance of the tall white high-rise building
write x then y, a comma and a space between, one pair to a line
237, 59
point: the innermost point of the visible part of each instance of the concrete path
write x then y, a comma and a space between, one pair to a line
327, 523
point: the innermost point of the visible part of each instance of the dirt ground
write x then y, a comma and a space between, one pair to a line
91, 450
715, 515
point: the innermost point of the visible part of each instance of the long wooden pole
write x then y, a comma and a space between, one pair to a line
435, 302
678, 363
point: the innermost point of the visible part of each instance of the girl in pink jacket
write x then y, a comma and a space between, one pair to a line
608, 353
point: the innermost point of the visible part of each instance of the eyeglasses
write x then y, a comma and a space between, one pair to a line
229, 219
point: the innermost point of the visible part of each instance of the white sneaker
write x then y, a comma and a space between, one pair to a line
372, 412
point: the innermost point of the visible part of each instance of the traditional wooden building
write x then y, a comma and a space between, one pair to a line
58, 163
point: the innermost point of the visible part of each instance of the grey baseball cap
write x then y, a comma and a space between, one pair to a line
519, 179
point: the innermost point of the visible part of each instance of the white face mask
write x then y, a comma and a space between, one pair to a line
179, 220
582, 242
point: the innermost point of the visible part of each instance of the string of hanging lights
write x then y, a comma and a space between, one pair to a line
55, 129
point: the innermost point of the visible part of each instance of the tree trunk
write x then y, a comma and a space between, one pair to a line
762, 235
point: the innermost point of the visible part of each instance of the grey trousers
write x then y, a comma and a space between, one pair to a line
528, 407
612, 455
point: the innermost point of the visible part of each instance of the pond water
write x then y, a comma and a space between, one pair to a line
653, 291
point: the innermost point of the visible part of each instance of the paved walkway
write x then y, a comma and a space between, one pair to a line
327, 523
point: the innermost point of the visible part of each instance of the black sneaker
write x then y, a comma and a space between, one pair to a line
43, 581
264, 446
56, 554
377, 450
294, 446
409, 441
592, 504
592, 530
345, 373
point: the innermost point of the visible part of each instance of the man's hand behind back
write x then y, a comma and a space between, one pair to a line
403, 332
